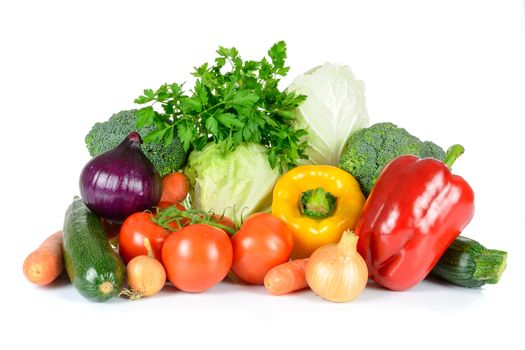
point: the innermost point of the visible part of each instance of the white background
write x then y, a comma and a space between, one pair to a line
448, 71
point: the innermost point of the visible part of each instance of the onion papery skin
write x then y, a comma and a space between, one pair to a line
120, 182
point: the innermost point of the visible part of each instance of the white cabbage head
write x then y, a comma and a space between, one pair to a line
334, 109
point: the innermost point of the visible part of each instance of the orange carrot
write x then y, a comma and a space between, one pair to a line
286, 278
46, 262
175, 187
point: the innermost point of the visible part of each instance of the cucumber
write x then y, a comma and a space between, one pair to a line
469, 264
93, 267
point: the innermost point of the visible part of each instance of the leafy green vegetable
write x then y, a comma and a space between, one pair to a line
232, 102
368, 150
335, 108
104, 136
236, 183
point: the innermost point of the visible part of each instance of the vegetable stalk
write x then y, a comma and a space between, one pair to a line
452, 154
317, 203
191, 216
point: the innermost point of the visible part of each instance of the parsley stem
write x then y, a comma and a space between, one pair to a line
212, 107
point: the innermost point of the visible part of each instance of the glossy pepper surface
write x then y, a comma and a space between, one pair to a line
318, 203
414, 212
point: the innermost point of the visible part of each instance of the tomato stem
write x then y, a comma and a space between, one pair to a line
195, 216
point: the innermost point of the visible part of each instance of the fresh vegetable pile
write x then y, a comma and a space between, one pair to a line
290, 189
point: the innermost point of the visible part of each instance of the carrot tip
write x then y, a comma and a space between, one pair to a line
35, 272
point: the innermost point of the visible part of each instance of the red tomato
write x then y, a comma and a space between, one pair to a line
262, 243
134, 229
197, 257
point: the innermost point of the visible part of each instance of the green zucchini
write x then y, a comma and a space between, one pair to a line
93, 267
469, 264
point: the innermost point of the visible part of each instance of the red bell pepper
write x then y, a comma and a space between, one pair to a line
416, 209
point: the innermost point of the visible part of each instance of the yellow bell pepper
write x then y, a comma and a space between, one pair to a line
318, 203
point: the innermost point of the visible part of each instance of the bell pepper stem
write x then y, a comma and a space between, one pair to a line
317, 203
452, 154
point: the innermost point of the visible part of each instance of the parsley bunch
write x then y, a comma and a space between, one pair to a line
233, 101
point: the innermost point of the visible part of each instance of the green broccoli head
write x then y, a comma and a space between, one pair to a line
107, 135
368, 150
431, 150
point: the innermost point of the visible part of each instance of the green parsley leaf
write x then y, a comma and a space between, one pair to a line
185, 133
229, 120
213, 126
190, 104
244, 98
278, 54
156, 135
145, 116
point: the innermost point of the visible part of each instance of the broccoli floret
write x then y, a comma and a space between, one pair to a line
368, 150
107, 135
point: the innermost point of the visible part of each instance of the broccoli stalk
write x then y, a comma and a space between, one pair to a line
107, 135
368, 150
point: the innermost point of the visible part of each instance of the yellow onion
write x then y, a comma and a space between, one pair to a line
146, 276
336, 272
